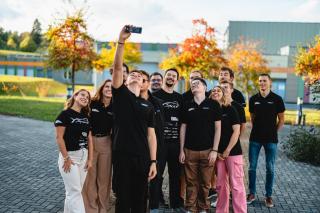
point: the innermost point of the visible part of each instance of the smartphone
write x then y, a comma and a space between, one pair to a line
133, 29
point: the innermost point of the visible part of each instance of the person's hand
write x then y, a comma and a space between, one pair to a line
152, 171
67, 165
212, 157
124, 35
226, 153
88, 165
182, 157
220, 157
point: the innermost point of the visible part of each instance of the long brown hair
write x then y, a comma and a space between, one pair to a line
99, 96
224, 101
69, 103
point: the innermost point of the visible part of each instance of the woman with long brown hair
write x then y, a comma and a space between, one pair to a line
230, 160
98, 183
75, 145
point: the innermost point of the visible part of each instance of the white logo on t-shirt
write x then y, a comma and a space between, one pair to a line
58, 122
80, 120
95, 110
173, 104
190, 109
257, 102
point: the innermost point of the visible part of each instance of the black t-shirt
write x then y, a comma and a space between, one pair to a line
132, 117
188, 96
77, 129
172, 104
240, 111
200, 120
229, 118
265, 110
238, 97
101, 118
159, 119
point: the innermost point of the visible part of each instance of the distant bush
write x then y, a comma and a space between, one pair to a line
303, 144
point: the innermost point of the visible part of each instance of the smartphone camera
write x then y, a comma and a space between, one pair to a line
133, 29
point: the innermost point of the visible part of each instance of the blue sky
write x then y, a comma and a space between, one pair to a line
162, 20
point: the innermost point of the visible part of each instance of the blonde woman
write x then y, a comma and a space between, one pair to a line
230, 160
75, 146
97, 188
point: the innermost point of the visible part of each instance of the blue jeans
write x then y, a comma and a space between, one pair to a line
270, 152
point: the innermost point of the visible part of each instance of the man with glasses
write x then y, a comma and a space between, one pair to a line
267, 118
156, 80
154, 189
188, 96
199, 141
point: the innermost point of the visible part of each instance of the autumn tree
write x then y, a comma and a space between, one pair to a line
246, 60
27, 44
132, 56
70, 46
200, 51
308, 65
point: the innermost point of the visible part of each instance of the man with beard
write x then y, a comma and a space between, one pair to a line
156, 81
226, 74
134, 144
172, 104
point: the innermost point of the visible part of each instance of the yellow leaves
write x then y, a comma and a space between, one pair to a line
132, 56
308, 61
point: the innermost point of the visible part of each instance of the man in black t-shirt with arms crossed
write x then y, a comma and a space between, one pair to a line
134, 144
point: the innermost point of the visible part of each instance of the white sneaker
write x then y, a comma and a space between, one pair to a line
214, 204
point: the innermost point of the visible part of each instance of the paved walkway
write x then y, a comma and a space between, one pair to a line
30, 181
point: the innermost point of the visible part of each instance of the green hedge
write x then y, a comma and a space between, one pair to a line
303, 144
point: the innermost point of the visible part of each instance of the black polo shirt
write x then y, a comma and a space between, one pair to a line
132, 117
101, 118
188, 96
265, 110
172, 105
159, 119
240, 111
230, 117
238, 97
77, 128
200, 121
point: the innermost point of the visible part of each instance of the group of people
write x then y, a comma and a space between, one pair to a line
123, 138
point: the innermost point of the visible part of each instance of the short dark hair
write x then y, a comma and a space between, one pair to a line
123, 65
231, 73
227, 82
127, 68
200, 79
267, 75
145, 73
174, 70
198, 71
156, 73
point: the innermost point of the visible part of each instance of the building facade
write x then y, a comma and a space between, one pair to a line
279, 42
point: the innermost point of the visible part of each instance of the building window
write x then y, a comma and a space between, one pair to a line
279, 87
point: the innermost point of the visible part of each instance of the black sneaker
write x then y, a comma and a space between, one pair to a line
212, 193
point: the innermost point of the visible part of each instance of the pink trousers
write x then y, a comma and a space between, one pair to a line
230, 173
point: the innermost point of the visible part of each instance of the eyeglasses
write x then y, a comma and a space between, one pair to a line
156, 80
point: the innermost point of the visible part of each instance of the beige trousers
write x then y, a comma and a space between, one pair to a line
97, 188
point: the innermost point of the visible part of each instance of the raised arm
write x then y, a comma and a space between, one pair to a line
117, 75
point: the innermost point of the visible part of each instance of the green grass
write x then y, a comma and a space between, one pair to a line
312, 116
45, 109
